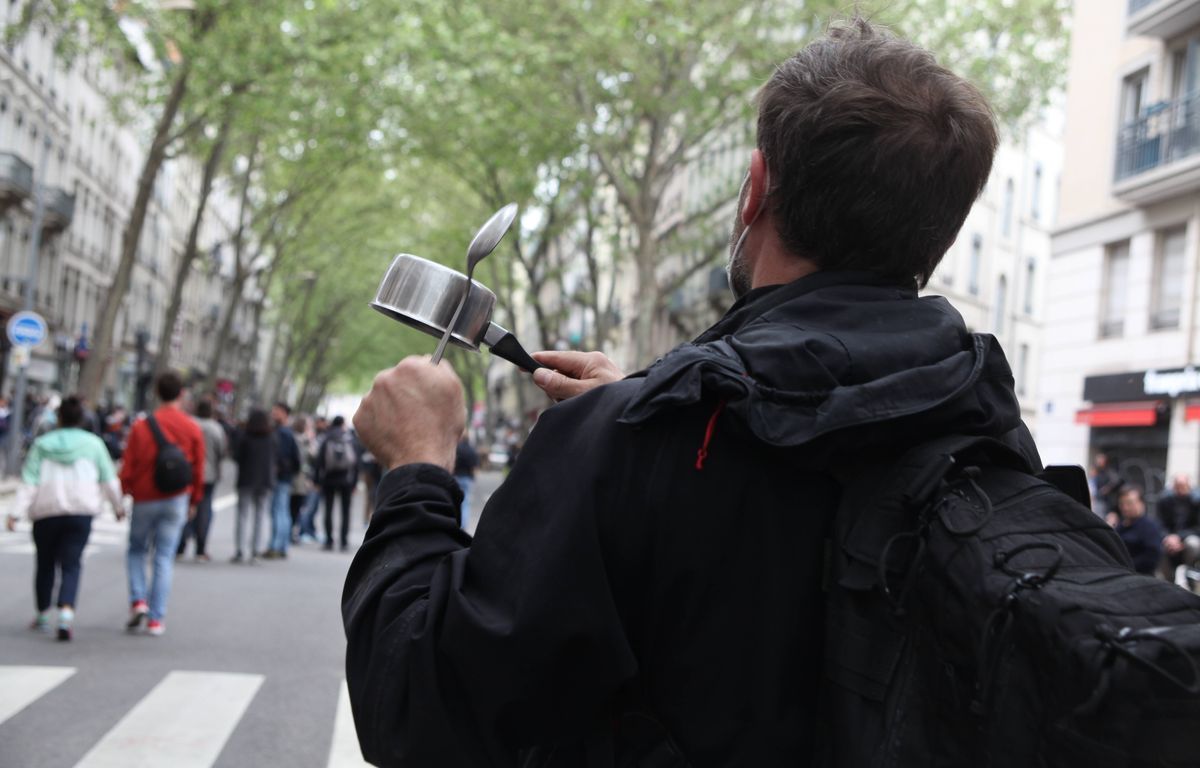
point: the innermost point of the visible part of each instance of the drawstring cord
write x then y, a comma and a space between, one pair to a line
702, 454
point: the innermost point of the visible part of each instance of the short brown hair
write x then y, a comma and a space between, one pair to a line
875, 152
169, 386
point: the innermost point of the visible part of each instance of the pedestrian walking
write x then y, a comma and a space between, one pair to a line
287, 464
67, 477
466, 461
215, 451
308, 441
1143, 536
1179, 512
337, 474
256, 481
163, 471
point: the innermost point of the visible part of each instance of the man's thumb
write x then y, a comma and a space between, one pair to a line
543, 377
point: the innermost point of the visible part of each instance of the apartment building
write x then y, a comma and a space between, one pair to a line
1117, 371
57, 130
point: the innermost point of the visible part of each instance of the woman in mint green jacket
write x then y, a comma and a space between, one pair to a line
66, 479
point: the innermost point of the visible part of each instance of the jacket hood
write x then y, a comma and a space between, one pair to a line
66, 446
840, 362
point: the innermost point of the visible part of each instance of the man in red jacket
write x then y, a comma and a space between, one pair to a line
158, 517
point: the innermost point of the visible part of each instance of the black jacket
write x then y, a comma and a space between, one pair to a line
1179, 514
255, 457
659, 544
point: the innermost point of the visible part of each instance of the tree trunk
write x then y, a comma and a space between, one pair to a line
91, 378
290, 347
241, 271
645, 300
184, 269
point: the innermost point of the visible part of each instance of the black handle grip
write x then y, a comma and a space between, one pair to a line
511, 350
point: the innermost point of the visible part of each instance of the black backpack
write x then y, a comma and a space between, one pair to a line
980, 615
172, 470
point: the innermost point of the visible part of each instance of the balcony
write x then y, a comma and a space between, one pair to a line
1162, 18
1158, 155
60, 210
16, 180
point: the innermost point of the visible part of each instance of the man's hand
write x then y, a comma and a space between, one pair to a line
10, 523
574, 372
192, 509
1173, 544
414, 413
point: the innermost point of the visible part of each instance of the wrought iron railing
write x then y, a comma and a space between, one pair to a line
16, 174
1162, 134
60, 208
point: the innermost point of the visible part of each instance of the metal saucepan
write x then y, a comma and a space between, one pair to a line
423, 294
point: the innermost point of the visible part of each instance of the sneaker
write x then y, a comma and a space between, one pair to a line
137, 612
41, 623
202, 558
307, 539
155, 628
66, 617
327, 546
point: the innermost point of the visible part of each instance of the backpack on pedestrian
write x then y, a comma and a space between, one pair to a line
981, 615
172, 470
340, 457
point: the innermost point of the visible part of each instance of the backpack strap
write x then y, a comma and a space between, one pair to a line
159, 437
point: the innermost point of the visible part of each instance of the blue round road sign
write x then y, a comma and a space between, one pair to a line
26, 329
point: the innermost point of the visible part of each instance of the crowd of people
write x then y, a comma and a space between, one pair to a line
1164, 542
162, 470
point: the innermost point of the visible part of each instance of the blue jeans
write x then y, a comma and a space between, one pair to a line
465, 483
154, 524
309, 513
281, 516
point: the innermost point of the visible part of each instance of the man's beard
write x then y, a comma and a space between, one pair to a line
737, 269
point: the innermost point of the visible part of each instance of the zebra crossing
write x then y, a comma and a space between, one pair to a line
107, 532
183, 721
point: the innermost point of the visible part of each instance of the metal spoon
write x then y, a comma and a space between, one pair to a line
484, 242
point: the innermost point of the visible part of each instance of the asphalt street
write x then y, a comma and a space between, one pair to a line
249, 672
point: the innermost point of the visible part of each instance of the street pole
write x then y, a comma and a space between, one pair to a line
16, 427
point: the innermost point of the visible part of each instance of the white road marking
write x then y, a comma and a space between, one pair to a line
183, 722
344, 752
228, 501
21, 686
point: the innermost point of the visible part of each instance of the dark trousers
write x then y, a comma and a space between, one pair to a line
297, 504
199, 525
59, 542
343, 492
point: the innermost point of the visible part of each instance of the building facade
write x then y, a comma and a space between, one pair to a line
57, 130
1117, 373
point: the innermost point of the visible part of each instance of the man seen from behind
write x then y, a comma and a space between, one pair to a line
646, 585
158, 515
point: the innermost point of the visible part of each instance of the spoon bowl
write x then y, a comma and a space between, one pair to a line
484, 242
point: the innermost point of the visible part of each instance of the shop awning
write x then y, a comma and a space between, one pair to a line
1139, 414
1191, 412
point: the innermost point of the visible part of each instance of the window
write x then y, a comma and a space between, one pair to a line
1007, 212
1022, 369
999, 311
1168, 279
1133, 96
1185, 70
1112, 297
1030, 274
1035, 194
973, 270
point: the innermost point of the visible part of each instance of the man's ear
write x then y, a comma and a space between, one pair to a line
756, 194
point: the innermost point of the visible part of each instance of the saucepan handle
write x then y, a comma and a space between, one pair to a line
504, 344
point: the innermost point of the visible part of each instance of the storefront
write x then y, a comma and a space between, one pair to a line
1146, 422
